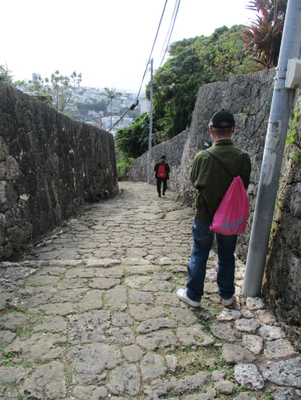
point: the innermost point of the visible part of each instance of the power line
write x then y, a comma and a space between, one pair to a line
133, 106
152, 47
150, 56
168, 37
170, 29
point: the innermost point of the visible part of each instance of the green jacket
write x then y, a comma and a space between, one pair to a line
211, 180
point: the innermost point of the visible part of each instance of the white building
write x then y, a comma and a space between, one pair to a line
36, 77
144, 105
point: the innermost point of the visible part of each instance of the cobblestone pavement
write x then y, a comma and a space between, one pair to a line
91, 313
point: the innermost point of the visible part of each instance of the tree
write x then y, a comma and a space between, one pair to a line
263, 37
194, 62
111, 94
5, 75
175, 88
63, 89
222, 53
133, 141
58, 91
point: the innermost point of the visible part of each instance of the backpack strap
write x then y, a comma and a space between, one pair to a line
222, 165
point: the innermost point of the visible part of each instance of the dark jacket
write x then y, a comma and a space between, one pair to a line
211, 180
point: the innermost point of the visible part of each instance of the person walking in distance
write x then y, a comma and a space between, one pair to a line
212, 182
162, 171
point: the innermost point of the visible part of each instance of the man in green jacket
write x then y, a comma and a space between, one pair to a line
212, 182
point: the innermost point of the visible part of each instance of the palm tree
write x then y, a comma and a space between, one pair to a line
263, 37
111, 94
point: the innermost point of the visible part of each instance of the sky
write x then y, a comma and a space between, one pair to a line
108, 41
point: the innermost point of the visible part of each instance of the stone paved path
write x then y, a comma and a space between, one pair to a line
91, 313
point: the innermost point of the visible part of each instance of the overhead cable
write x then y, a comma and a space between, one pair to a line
171, 26
150, 56
133, 106
167, 36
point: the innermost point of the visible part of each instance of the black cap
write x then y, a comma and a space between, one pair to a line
163, 158
222, 119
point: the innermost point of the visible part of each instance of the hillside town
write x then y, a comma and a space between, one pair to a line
92, 106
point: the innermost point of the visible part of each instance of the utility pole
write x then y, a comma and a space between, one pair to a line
150, 123
281, 108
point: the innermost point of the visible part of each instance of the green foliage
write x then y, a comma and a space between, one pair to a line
123, 166
222, 53
133, 141
111, 94
273, 230
194, 62
175, 88
177, 47
291, 139
292, 129
243, 117
83, 108
62, 89
5, 75
58, 91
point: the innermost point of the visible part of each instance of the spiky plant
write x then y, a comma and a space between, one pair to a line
263, 38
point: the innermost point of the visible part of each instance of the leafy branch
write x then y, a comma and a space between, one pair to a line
292, 129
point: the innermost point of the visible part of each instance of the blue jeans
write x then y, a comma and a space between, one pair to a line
202, 242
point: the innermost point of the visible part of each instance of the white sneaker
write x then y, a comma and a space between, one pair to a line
182, 295
228, 303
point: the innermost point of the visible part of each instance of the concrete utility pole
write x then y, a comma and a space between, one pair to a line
150, 123
281, 109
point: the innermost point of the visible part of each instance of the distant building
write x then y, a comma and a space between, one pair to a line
106, 123
144, 105
126, 102
93, 113
89, 105
114, 107
36, 77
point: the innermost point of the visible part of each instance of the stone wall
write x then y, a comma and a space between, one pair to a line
173, 150
49, 165
282, 286
249, 99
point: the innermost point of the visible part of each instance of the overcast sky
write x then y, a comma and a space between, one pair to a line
108, 41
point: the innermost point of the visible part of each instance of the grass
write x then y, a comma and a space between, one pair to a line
123, 166
63, 345
292, 129
68, 375
13, 310
164, 212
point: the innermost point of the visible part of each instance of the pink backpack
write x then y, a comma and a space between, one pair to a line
233, 211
